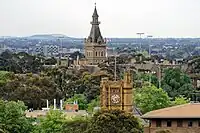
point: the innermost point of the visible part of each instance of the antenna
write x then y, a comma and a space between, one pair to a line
115, 67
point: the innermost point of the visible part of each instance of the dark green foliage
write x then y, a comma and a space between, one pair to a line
76, 125
33, 90
176, 83
114, 121
20, 63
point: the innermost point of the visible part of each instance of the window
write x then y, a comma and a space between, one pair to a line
96, 54
179, 123
158, 123
199, 123
190, 123
101, 53
169, 123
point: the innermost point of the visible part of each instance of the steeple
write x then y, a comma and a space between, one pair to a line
95, 34
95, 14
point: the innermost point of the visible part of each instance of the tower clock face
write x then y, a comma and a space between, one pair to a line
115, 98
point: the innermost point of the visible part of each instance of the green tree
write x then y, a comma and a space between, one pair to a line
52, 123
81, 99
12, 117
176, 83
180, 100
33, 90
114, 121
76, 125
94, 103
150, 98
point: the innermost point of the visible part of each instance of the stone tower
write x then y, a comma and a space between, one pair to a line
117, 94
95, 45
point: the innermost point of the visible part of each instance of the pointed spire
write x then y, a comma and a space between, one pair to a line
95, 34
95, 14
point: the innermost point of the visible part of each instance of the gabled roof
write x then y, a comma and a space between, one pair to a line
191, 110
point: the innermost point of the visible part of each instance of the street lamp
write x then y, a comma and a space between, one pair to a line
140, 34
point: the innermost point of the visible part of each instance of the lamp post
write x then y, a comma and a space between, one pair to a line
140, 34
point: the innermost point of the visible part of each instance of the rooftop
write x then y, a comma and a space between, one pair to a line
191, 110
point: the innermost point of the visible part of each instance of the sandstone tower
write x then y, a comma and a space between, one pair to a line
95, 45
117, 94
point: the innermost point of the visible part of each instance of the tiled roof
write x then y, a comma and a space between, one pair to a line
191, 110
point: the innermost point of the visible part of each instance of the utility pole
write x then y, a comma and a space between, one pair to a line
140, 34
159, 71
150, 36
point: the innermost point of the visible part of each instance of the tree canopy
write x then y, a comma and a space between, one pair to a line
176, 83
12, 117
114, 121
150, 98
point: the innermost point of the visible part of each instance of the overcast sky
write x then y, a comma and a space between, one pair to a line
119, 18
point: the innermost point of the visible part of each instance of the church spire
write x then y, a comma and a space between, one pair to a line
95, 14
95, 34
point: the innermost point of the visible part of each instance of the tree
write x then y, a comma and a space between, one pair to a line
52, 123
94, 103
76, 125
12, 117
81, 99
147, 77
114, 121
180, 100
176, 83
150, 98
33, 90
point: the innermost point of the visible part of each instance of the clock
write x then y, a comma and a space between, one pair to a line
115, 98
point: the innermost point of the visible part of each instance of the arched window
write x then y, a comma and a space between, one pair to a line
101, 53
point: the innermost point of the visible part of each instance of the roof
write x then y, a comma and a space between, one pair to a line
191, 110
95, 33
95, 14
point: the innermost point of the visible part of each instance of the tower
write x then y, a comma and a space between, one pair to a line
95, 45
117, 94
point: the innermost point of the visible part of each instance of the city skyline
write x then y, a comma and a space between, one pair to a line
166, 18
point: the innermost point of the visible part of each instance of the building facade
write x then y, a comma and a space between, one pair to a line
117, 94
95, 45
47, 50
178, 119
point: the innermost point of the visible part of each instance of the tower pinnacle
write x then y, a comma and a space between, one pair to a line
95, 34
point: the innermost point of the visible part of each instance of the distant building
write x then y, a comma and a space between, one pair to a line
2, 48
95, 45
178, 119
47, 50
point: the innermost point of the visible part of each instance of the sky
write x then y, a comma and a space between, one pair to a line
119, 18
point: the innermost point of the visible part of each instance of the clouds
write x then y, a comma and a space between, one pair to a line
120, 18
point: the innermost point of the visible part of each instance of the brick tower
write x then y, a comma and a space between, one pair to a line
117, 94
